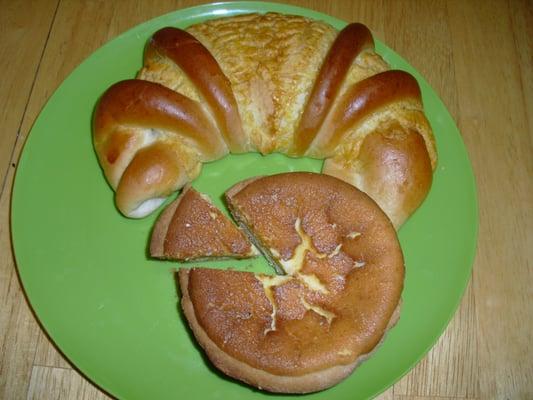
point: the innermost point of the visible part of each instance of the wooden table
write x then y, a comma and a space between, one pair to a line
477, 55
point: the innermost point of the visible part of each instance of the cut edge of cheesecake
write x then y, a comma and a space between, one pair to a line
245, 227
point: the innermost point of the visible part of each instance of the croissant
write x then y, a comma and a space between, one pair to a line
265, 83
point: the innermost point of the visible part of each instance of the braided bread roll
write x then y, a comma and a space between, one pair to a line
267, 83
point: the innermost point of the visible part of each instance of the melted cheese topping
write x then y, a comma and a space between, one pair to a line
313, 283
336, 251
275, 253
268, 281
353, 235
293, 265
253, 250
319, 310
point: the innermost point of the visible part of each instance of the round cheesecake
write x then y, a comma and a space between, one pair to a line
337, 295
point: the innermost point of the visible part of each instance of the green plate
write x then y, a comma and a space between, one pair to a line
114, 312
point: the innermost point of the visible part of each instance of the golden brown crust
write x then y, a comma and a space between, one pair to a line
350, 41
360, 101
282, 83
192, 228
306, 331
148, 104
200, 66
154, 174
393, 167
390, 154
271, 61
150, 140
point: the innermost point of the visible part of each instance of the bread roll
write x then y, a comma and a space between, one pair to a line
267, 83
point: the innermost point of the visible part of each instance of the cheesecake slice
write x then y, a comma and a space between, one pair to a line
192, 228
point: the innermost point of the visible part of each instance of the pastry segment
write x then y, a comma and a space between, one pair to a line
266, 83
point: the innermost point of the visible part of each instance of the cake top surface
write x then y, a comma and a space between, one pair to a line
344, 276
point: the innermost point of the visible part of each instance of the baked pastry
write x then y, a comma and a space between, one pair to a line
267, 83
192, 228
308, 329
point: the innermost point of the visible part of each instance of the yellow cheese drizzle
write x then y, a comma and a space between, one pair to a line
319, 310
292, 268
267, 282
294, 265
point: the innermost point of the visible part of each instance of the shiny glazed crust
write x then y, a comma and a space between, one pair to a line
268, 83
307, 330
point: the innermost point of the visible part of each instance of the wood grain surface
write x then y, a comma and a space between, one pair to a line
477, 55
